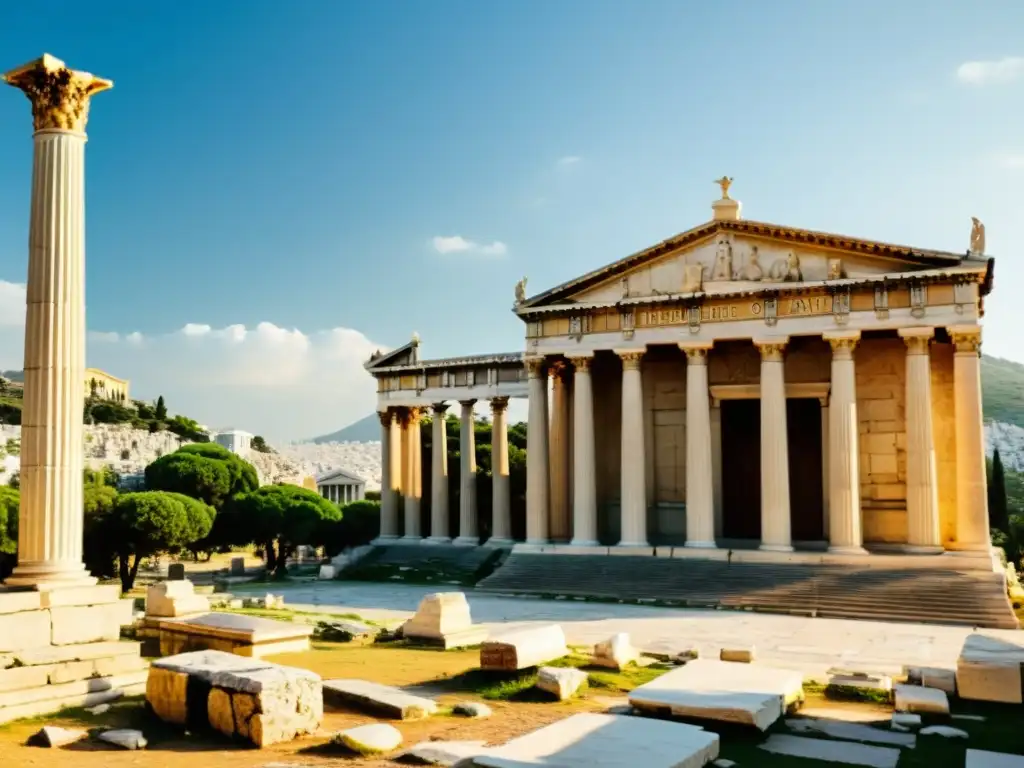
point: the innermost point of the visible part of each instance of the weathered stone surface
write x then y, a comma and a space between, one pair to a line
165, 692
914, 698
24, 629
443, 619
932, 677
474, 709
523, 648
370, 739
62, 700
378, 699
850, 731
616, 652
864, 681
53, 737
843, 752
99, 709
232, 633
720, 690
977, 758
17, 601
124, 738
17, 678
76, 688
608, 741
175, 598
67, 653
90, 624
990, 669
98, 594
347, 630
446, 753
737, 653
562, 682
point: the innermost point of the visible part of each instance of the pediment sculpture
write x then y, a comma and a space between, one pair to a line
752, 269
786, 270
722, 269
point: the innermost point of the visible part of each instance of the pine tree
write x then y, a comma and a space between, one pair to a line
161, 408
998, 516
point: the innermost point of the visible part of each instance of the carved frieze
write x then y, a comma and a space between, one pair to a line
786, 270
752, 269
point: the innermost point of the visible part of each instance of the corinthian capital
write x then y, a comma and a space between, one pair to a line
60, 96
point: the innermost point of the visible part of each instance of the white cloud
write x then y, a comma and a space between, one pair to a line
569, 160
1013, 161
279, 382
1004, 70
459, 244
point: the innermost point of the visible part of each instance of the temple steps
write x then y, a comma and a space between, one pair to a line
973, 598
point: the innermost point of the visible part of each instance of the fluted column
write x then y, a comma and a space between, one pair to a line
825, 495
439, 475
537, 488
922, 482
972, 529
501, 504
634, 476
775, 514
413, 486
700, 484
389, 483
584, 472
50, 530
558, 447
716, 463
468, 531
844, 529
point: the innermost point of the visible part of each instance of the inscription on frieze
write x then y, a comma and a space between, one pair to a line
719, 312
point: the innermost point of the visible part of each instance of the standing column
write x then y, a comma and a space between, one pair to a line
468, 535
50, 530
413, 478
559, 453
716, 462
537, 489
584, 474
439, 475
972, 529
700, 482
775, 521
844, 527
825, 495
501, 504
634, 477
922, 483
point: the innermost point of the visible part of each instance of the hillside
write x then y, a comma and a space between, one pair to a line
365, 430
1002, 385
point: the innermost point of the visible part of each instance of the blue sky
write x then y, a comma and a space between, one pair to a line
291, 164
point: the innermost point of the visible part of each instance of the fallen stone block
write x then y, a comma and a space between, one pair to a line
372, 739
446, 753
725, 691
978, 758
378, 699
54, 737
473, 709
843, 752
124, 738
523, 648
990, 669
944, 730
932, 677
243, 635
175, 598
851, 732
914, 698
443, 619
347, 631
617, 652
608, 741
741, 653
904, 721
562, 682
856, 683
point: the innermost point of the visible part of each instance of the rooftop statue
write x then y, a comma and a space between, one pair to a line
520, 291
977, 236
725, 182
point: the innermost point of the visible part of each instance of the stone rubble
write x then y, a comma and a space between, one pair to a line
523, 648
125, 738
851, 732
932, 677
977, 758
446, 753
743, 654
561, 682
990, 669
914, 698
904, 721
373, 739
374, 698
54, 737
617, 652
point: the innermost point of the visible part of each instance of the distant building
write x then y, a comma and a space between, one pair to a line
235, 440
104, 386
341, 487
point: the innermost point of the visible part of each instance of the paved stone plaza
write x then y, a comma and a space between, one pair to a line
810, 645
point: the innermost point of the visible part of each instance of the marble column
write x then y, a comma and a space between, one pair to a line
922, 481
51, 518
634, 472
700, 479
413, 487
775, 514
558, 446
716, 462
972, 528
584, 471
439, 475
844, 529
468, 530
501, 488
537, 487
825, 495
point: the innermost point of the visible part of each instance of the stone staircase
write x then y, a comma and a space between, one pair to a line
975, 598
426, 563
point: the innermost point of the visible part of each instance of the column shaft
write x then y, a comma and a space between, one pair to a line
825, 495
922, 482
634, 477
439, 475
972, 528
468, 530
413, 487
700, 487
558, 446
716, 463
501, 506
584, 476
844, 529
775, 514
537, 488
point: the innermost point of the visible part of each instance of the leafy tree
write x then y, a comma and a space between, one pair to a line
186, 428
160, 412
15, 481
105, 476
108, 412
998, 513
13, 446
359, 524
10, 502
98, 547
204, 471
259, 444
280, 518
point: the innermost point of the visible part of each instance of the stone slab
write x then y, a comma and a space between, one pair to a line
25, 629
378, 699
609, 741
373, 739
990, 669
615, 653
523, 648
942, 678
16, 601
74, 625
446, 753
861, 680
748, 694
46, 706
74, 688
53, 737
979, 758
99, 594
851, 732
916, 698
562, 682
844, 752
56, 654
232, 626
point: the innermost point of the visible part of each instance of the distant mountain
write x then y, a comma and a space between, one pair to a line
363, 431
1002, 390
18, 376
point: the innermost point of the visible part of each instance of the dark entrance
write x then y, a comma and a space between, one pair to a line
741, 469
803, 432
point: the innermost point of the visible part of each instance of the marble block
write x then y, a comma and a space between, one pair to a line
443, 619
990, 669
562, 682
979, 758
844, 752
862, 680
616, 652
175, 598
914, 698
740, 653
234, 633
608, 741
719, 690
378, 699
523, 648
932, 677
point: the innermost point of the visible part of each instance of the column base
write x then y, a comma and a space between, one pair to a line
584, 543
44, 577
437, 540
467, 541
921, 549
847, 551
382, 540
499, 541
632, 548
701, 545
410, 540
776, 548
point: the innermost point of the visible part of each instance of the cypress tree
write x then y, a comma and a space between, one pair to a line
998, 516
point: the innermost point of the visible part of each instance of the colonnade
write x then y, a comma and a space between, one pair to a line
402, 475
